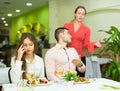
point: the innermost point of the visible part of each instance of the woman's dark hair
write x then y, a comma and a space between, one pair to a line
58, 31
80, 7
33, 39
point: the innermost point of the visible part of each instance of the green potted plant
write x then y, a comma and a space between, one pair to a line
112, 45
112, 72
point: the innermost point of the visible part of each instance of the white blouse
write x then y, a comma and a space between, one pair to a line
36, 67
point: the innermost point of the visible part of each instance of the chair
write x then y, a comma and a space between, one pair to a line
9, 75
92, 67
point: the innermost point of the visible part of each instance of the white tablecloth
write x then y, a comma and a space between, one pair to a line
4, 75
94, 85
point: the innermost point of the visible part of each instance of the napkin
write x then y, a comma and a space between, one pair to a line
23, 89
110, 87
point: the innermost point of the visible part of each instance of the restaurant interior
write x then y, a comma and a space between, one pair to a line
42, 17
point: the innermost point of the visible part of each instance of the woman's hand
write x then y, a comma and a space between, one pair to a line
20, 52
98, 44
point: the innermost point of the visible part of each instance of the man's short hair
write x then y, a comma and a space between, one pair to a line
58, 31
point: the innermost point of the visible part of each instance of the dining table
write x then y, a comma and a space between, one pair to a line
94, 84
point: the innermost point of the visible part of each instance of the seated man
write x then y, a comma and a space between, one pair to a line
61, 59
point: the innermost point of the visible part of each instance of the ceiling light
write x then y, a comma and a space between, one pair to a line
9, 14
6, 24
28, 4
17, 10
3, 18
4, 21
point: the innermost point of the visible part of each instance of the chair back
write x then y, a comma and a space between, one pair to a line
9, 75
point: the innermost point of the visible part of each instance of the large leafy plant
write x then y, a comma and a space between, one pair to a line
112, 42
37, 29
112, 71
112, 45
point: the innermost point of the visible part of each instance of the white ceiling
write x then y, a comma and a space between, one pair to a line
9, 6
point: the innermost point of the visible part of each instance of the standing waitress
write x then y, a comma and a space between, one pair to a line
81, 35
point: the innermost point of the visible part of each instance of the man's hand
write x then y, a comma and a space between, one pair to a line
80, 64
77, 62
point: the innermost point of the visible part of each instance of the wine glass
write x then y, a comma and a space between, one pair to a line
30, 74
59, 72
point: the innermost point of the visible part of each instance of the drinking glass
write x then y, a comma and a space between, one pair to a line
59, 72
30, 74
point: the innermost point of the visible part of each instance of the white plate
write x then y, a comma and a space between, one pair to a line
49, 83
82, 82
42, 84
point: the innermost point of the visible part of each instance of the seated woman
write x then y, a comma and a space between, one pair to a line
26, 63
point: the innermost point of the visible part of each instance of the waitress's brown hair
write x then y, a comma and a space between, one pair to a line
80, 7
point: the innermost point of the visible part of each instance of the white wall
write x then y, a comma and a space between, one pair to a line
102, 20
101, 15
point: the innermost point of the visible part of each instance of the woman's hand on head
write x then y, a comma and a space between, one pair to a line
20, 52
